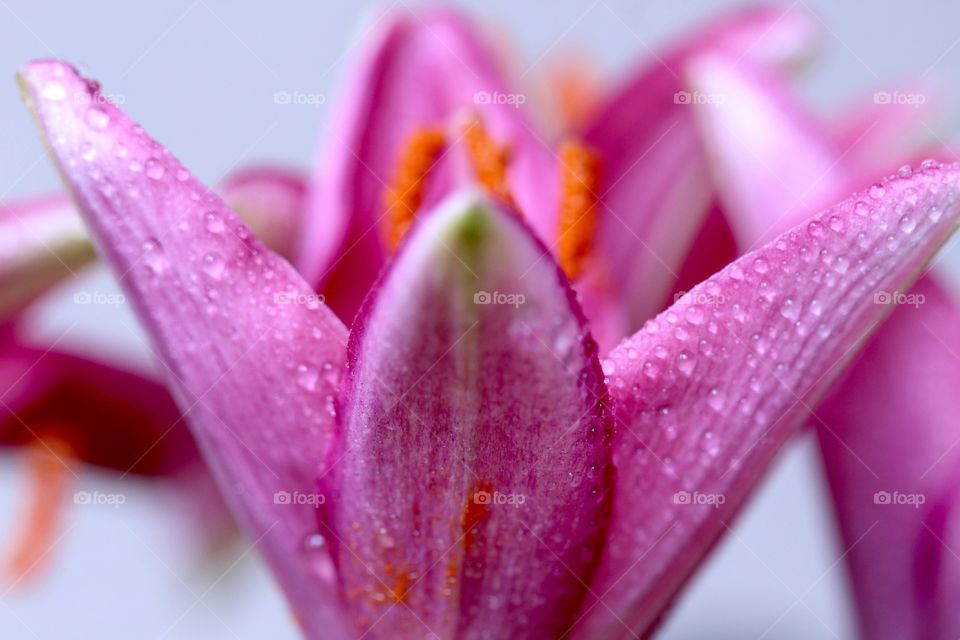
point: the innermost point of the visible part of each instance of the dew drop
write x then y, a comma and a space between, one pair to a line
685, 363
716, 399
861, 209
710, 444
815, 229
307, 376
153, 257
877, 191
907, 224
761, 265
836, 224
97, 118
935, 214
213, 266
214, 223
695, 315
155, 170
910, 196
905, 171
53, 90
314, 542
789, 309
183, 175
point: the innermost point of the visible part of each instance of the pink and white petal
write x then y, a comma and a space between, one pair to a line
252, 367
386, 101
474, 479
772, 164
271, 201
42, 242
878, 130
889, 439
653, 191
706, 393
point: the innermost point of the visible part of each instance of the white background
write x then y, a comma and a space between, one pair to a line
200, 75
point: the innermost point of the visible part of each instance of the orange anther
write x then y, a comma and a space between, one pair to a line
579, 181
405, 195
489, 159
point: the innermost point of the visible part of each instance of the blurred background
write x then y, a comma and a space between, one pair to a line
201, 76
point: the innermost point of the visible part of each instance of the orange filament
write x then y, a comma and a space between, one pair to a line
48, 481
489, 159
405, 196
580, 179
574, 85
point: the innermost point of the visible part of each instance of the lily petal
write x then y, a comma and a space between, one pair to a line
773, 165
889, 440
707, 392
653, 173
474, 477
271, 201
888, 429
386, 101
246, 359
42, 241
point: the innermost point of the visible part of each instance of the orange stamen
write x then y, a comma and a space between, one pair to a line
405, 196
48, 481
489, 159
477, 508
580, 179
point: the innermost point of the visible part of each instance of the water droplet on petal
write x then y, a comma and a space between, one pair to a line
53, 90
905, 171
155, 170
761, 265
716, 399
214, 223
907, 224
877, 191
307, 376
213, 265
97, 118
789, 309
153, 257
861, 209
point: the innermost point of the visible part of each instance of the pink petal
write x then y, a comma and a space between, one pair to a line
706, 393
889, 439
474, 478
889, 427
271, 201
247, 360
771, 163
42, 242
654, 173
386, 100
881, 128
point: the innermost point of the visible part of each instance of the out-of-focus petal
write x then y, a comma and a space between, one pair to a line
252, 357
417, 72
706, 393
878, 131
889, 438
271, 201
773, 165
474, 477
655, 190
42, 242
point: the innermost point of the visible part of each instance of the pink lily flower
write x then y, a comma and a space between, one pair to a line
480, 475
66, 408
632, 176
888, 432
